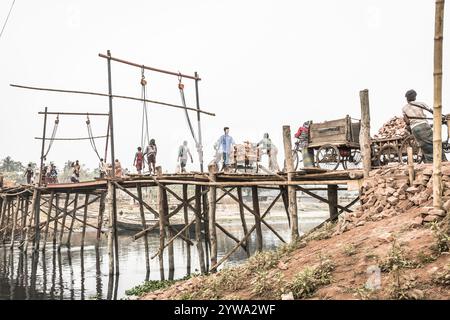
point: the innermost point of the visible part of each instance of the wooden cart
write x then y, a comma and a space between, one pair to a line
336, 142
394, 150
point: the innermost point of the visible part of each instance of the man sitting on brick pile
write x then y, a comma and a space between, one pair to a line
415, 118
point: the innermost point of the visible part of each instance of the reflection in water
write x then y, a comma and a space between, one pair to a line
72, 273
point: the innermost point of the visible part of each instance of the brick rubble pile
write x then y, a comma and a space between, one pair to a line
387, 193
394, 128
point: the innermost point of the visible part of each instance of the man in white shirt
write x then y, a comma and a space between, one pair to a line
415, 118
183, 153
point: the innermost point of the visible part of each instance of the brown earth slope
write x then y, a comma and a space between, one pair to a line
369, 254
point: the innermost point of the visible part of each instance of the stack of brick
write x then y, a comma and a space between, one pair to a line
387, 193
394, 128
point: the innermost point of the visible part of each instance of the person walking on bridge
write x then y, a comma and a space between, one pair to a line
225, 144
183, 152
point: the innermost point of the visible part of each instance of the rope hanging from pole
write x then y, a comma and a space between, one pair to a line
55, 129
145, 136
183, 101
91, 137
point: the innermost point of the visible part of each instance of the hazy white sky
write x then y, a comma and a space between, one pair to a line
264, 64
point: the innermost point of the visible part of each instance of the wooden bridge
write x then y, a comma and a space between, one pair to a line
33, 216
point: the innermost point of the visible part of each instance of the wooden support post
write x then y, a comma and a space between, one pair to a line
170, 233
212, 197
101, 211
47, 223
83, 234
292, 191
37, 216
198, 228
285, 198
55, 224
63, 223
410, 166
364, 134
256, 210
205, 215
162, 222
243, 221
72, 221
437, 106
144, 226
3, 215
24, 220
30, 220
187, 233
110, 229
14, 223
333, 200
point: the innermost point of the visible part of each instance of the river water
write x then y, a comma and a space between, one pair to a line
83, 274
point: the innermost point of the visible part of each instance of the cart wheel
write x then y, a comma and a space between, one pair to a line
296, 158
354, 161
328, 157
410, 141
388, 154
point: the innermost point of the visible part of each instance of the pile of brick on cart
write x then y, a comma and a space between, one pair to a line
387, 193
394, 128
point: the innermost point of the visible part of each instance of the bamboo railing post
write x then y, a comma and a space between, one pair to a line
333, 200
14, 222
292, 190
212, 197
243, 221
364, 134
256, 210
198, 228
410, 166
110, 229
83, 234
73, 215
187, 233
101, 211
144, 226
47, 223
162, 222
63, 223
437, 107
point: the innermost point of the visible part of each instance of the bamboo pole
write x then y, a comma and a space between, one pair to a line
47, 223
101, 211
3, 214
24, 220
437, 112
364, 134
37, 215
33, 208
144, 226
55, 225
13, 230
63, 223
6, 221
243, 221
259, 238
162, 222
83, 234
212, 197
187, 233
110, 230
292, 192
198, 228
72, 221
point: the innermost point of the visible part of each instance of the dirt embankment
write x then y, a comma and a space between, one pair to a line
392, 247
